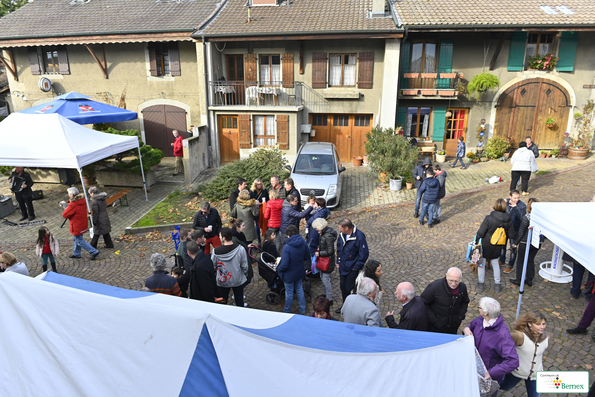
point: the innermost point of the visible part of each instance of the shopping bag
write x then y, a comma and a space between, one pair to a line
313, 267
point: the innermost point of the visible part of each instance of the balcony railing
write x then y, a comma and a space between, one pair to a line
431, 84
258, 93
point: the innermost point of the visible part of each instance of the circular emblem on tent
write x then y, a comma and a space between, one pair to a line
45, 84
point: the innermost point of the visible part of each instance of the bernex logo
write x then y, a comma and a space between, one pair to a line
562, 381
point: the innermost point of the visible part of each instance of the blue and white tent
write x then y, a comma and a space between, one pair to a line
63, 336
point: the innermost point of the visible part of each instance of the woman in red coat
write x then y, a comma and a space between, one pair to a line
273, 214
76, 212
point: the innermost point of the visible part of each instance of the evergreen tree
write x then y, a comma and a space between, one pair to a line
8, 6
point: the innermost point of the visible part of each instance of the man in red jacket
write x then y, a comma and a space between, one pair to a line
178, 152
76, 212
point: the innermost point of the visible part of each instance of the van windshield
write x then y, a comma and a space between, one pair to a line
315, 164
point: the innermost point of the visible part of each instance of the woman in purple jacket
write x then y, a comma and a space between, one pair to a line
493, 340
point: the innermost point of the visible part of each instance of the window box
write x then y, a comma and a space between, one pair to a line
447, 93
411, 75
448, 75
428, 92
429, 75
410, 92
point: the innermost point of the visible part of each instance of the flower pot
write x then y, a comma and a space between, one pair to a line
396, 184
409, 185
548, 155
429, 75
476, 160
357, 161
542, 155
469, 160
366, 161
448, 75
429, 92
410, 92
577, 154
551, 126
411, 75
446, 93
88, 180
441, 158
484, 159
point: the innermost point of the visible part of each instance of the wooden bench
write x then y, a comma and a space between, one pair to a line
119, 196
426, 148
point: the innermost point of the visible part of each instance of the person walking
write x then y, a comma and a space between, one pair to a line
352, 254
47, 246
291, 268
76, 213
246, 209
21, 183
419, 174
178, 146
460, 153
429, 191
523, 164
498, 218
326, 249
520, 246
101, 223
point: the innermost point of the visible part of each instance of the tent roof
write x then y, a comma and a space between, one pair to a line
53, 141
571, 226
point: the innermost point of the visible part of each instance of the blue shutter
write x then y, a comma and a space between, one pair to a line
516, 56
445, 62
567, 52
401, 116
405, 58
439, 122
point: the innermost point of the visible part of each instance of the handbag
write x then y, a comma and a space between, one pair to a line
499, 236
323, 263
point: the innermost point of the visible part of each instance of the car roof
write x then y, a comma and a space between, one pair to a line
317, 148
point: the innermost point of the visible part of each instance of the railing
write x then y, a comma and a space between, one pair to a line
442, 84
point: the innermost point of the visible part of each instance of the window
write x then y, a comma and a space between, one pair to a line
341, 120
423, 57
270, 69
538, 44
342, 72
265, 131
319, 119
229, 122
164, 59
418, 121
50, 60
315, 164
362, 121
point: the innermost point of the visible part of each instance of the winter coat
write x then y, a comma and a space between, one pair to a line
352, 252
162, 283
246, 210
534, 149
523, 160
460, 149
523, 232
270, 247
295, 253
430, 189
76, 213
233, 198
273, 213
445, 310
26, 192
231, 262
496, 347
441, 177
258, 196
290, 216
179, 146
313, 236
294, 191
326, 248
203, 284
212, 219
54, 246
488, 227
413, 316
516, 213
420, 171
19, 268
358, 309
101, 223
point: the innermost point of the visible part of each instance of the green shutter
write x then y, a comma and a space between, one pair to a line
567, 51
439, 122
405, 58
445, 62
401, 116
516, 56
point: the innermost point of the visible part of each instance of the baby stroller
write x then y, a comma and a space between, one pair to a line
267, 269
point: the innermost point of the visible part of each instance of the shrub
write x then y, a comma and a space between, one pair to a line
390, 153
496, 147
262, 164
6, 170
150, 155
482, 82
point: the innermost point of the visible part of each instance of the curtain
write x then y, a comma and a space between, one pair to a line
335, 77
271, 130
408, 125
425, 125
349, 71
265, 74
258, 130
276, 78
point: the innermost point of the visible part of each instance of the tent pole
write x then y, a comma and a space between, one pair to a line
86, 199
522, 286
142, 170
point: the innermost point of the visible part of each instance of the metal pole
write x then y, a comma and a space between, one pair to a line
86, 200
142, 170
522, 286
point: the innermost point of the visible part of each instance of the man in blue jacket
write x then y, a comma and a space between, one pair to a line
352, 254
419, 174
291, 268
430, 190
290, 216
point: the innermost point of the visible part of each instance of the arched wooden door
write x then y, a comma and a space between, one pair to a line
160, 121
523, 109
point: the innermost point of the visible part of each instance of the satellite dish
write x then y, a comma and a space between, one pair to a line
44, 84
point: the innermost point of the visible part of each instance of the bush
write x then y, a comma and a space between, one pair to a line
496, 147
150, 157
389, 152
262, 164
6, 170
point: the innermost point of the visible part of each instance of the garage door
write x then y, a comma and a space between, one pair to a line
346, 131
159, 122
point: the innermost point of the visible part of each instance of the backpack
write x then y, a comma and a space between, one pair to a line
499, 236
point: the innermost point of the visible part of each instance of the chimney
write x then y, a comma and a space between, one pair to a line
378, 8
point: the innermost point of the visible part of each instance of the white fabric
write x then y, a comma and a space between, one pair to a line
571, 226
335, 72
349, 72
53, 141
523, 160
259, 130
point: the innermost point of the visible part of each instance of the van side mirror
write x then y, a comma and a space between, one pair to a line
341, 169
288, 167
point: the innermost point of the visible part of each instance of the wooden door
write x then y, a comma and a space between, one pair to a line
362, 123
159, 122
341, 135
456, 126
235, 78
229, 138
320, 123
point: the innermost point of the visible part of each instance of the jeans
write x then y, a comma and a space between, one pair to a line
299, 290
425, 207
512, 254
437, 209
79, 242
524, 175
327, 288
481, 271
530, 262
577, 279
417, 200
347, 283
458, 159
238, 293
511, 381
45, 257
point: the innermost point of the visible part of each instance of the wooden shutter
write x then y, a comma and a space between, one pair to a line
365, 70
245, 135
283, 131
402, 116
319, 70
63, 60
439, 122
445, 62
152, 60
250, 69
287, 63
567, 51
516, 56
174, 59
405, 59
34, 61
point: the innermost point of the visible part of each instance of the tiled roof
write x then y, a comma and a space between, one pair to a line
496, 12
51, 18
300, 16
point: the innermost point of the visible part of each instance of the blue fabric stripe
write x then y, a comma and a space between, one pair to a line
204, 377
91, 286
332, 336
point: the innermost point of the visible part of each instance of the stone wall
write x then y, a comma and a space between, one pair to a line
196, 155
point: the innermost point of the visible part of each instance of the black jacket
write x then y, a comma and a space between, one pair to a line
326, 249
488, 227
413, 316
420, 171
203, 284
233, 197
258, 196
270, 247
294, 191
212, 219
445, 311
26, 192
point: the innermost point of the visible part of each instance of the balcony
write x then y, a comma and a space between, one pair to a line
430, 85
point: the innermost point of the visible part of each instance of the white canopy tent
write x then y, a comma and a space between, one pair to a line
53, 141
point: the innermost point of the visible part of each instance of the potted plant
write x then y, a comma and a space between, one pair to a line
470, 156
545, 62
578, 115
88, 172
555, 153
409, 181
481, 83
411, 75
497, 147
441, 156
551, 123
461, 88
542, 154
391, 154
429, 75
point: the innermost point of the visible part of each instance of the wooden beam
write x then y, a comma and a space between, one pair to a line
301, 57
9, 65
497, 52
308, 37
101, 64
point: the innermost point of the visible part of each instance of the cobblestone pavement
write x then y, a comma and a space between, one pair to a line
408, 251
